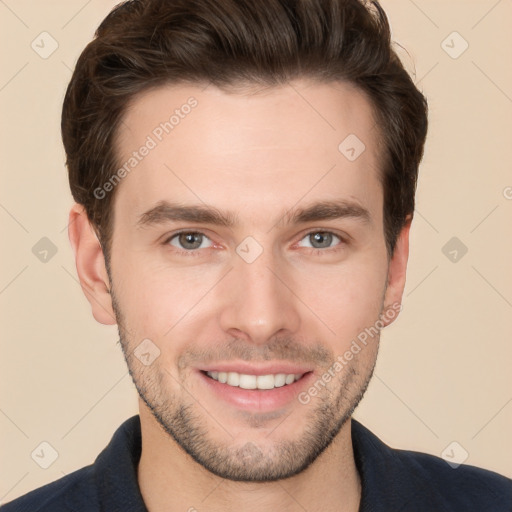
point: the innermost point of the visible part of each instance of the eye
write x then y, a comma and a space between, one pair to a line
320, 240
190, 240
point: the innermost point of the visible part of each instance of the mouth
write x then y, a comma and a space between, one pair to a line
248, 381
255, 390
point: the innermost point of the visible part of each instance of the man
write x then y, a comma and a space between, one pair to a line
244, 176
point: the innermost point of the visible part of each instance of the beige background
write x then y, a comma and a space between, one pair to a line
444, 369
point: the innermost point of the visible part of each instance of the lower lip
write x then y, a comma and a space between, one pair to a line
261, 400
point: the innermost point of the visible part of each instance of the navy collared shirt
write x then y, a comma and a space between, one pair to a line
392, 481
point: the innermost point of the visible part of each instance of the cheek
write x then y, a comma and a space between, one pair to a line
156, 300
347, 299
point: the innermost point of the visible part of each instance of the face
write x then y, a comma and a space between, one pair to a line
248, 246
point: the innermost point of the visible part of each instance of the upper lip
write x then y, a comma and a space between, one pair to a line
260, 369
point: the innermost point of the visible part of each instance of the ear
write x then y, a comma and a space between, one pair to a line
396, 273
90, 265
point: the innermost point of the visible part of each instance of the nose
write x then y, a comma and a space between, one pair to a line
259, 302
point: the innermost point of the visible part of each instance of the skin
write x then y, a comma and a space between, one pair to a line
257, 154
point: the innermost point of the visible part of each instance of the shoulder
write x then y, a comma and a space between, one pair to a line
110, 483
62, 495
410, 480
466, 487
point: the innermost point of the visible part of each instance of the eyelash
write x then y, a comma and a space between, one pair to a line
314, 250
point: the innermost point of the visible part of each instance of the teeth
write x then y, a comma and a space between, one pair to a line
246, 381
233, 379
279, 380
265, 382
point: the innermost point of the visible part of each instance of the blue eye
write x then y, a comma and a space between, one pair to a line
320, 239
190, 241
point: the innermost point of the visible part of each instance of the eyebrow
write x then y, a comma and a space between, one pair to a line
166, 211
326, 210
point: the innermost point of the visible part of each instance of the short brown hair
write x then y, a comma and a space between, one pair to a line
143, 44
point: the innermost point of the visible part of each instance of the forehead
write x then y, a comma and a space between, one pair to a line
247, 150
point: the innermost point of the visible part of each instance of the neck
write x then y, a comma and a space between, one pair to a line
169, 479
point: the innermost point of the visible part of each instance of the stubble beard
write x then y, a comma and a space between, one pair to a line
186, 422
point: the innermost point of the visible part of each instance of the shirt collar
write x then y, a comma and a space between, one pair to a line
116, 470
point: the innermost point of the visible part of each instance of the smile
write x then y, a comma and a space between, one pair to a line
246, 381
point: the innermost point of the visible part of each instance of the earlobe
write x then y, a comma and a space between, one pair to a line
90, 265
396, 274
